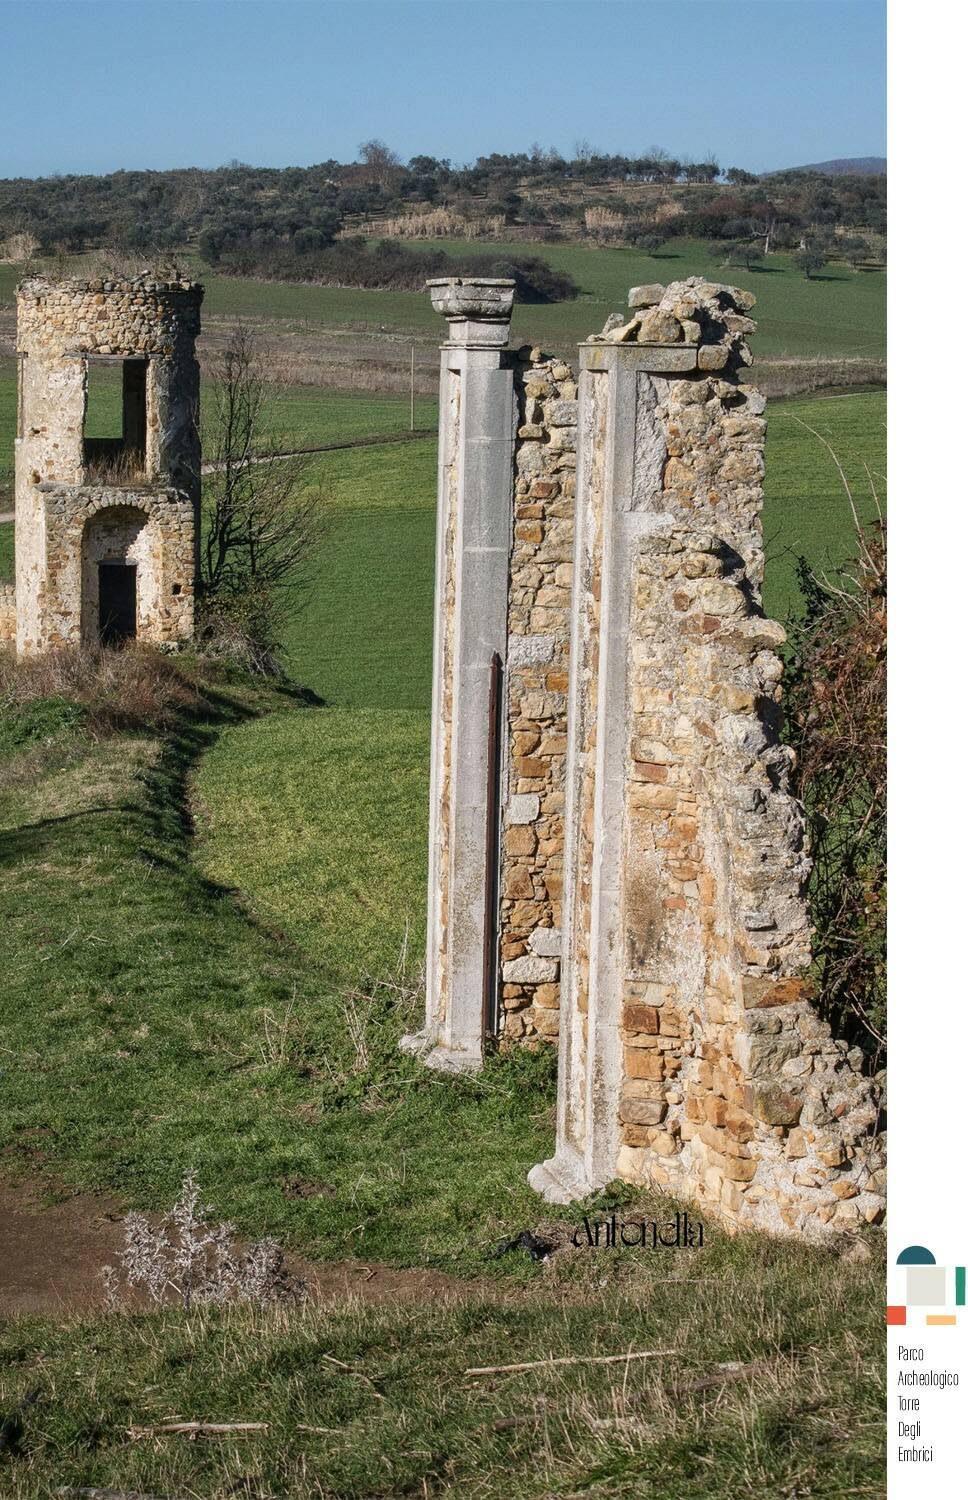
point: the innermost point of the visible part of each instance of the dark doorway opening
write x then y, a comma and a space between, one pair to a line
117, 603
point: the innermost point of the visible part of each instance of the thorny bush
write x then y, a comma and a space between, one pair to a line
836, 717
190, 1257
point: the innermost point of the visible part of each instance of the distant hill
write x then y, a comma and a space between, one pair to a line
842, 166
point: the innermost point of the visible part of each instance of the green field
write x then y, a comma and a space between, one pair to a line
304, 416
841, 314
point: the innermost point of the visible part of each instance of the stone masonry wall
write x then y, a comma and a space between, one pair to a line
692, 1058
536, 691
8, 613
86, 525
138, 316
734, 1091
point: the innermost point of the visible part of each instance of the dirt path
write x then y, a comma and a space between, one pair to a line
365, 442
51, 1258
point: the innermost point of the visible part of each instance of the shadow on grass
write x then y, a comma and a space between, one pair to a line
165, 814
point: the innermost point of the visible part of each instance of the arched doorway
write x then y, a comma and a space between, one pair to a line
118, 575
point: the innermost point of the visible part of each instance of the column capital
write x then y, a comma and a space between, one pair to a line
478, 309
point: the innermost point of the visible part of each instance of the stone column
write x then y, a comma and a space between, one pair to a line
474, 504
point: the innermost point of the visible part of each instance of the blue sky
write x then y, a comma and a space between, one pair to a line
163, 83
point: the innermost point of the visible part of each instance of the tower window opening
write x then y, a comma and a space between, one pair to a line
115, 421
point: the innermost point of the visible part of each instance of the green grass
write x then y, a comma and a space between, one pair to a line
175, 1031
331, 808
799, 1413
364, 644
806, 510
842, 314
318, 816
331, 804
364, 636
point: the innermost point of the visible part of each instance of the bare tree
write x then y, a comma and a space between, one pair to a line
264, 520
381, 161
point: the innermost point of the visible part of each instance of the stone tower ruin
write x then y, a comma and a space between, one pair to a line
106, 526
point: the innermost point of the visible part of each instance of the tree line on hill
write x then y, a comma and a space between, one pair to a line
389, 266
285, 222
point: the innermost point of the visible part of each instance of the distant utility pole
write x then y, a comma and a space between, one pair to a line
412, 359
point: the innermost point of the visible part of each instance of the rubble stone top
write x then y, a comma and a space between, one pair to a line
708, 316
44, 286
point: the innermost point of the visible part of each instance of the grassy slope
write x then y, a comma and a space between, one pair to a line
173, 1031
351, 779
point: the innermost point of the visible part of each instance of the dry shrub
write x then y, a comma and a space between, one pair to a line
189, 1257
440, 224
836, 720
18, 248
112, 691
667, 209
108, 463
115, 262
599, 219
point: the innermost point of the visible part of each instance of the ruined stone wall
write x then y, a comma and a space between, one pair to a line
137, 316
692, 1058
536, 695
734, 1092
8, 613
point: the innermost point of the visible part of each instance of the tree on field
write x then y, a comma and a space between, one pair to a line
264, 521
740, 253
854, 249
810, 260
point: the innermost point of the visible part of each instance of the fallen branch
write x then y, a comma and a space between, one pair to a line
197, 1429
350, 1371
721, 1375
572, 1359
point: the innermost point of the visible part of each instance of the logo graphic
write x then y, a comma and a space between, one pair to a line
927, 1286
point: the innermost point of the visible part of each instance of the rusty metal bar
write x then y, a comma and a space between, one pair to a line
489, 997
